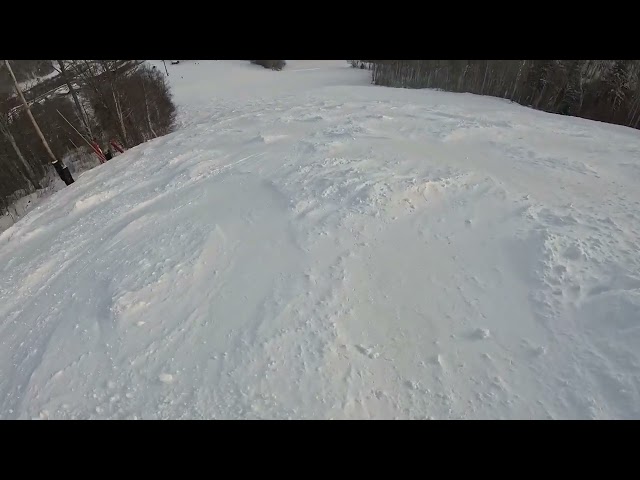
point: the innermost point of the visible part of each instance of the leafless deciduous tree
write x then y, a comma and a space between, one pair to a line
132, 105
27, 170
80, 111
104, 100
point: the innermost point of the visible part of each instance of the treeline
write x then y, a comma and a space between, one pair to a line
270, 64
103, 100
604, 90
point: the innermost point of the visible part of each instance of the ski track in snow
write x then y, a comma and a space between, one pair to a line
307, 245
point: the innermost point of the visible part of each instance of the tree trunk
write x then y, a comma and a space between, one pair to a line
31, 176
90, 80
111, 76
515, 84
486, 70
81, 112
146, 107
120, 117
634, 109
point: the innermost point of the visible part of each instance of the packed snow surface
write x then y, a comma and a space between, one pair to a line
307, 245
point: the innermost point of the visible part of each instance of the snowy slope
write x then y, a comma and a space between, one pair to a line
307, 245
30, 83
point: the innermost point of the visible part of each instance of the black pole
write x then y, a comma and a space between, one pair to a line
63, 172
165, 68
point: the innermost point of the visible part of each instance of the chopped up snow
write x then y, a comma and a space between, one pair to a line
307, 245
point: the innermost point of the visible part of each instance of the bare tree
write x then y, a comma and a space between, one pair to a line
6, 132
145, 109
112, 78
82, 114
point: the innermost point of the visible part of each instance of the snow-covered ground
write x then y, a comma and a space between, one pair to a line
31, 82
76, 162
20, 207
307, 245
